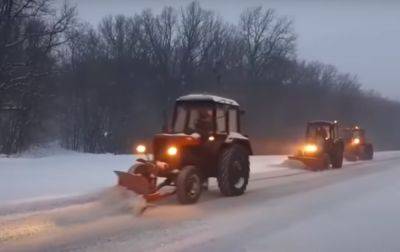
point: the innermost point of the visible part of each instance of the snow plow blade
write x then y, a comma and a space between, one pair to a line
133, 182
309, 162
141, 186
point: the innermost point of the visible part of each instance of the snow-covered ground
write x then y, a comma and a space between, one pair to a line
68, 174
67, 201
62, 174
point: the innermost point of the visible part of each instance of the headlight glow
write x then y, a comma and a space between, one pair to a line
356, 140
141, 148
172, 151
310, 148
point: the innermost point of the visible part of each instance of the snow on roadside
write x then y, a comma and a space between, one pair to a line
64, 174
42, 194
32, 178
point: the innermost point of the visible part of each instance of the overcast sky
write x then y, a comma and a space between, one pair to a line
358, 36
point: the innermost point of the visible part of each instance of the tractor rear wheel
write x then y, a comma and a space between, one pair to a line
368, 152
337, 160
188, 185
324, 162
233, 170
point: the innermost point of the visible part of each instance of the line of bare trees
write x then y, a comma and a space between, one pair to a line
101, 89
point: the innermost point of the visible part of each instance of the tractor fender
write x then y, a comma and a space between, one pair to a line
237, 139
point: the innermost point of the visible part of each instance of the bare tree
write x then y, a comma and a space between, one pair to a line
30, 31
101, 89
161, 36
265, 37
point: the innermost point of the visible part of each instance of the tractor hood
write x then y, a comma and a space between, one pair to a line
170, 147
178, 139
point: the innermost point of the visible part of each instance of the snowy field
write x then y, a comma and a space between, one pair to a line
68, 202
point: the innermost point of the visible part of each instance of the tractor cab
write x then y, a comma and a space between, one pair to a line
205, 115
356, 145
354, 135
323, 146
201, 126
321, 131
204, 140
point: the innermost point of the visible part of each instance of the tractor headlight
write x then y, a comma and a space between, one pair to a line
172, 151
310, 148
356, 141
141, 149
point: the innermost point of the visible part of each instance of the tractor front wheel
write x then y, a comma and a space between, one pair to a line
233, 170
188, 185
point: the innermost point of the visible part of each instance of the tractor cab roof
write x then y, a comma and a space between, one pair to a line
322, 123
355, 128
353, 131
207, 98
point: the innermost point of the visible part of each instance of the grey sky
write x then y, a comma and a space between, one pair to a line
360, 37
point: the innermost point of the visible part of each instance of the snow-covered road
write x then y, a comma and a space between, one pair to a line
285, 209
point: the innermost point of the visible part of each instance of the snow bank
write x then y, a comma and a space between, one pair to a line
65, 174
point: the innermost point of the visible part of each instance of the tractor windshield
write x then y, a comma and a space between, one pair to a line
193, 117
357, 134
349, 134
318, 132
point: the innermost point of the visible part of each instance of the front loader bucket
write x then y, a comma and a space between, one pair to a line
134, 182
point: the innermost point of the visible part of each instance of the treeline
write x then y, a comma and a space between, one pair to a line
102, 89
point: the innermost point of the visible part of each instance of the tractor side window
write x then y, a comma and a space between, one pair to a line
233, 120
332, 133
325, 132
221, 120
179, 125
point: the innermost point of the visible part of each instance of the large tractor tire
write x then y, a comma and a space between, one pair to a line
188, 185
368, 152
337, 156
337, 160
233, 170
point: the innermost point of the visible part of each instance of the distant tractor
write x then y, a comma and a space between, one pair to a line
323, 147
204, 141
356, 145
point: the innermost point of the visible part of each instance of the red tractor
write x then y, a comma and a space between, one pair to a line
356, 145
204, 141
323, 147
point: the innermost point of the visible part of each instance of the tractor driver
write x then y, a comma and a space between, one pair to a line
204, 123
321, 134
